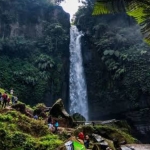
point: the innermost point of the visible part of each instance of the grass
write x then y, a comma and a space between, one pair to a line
19, 132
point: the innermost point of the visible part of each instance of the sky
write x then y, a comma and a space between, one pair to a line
70, 6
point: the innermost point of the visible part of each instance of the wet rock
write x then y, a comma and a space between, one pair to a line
140, 122
22, 108
78, 117
100, 142
58, 110
136, 147
97, 138
59, 113
19, 107
40, 111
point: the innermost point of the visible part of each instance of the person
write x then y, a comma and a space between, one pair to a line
51, 127
50, 123
49, 120
4, 100
11, 91
56, 124
13, 99
86, 141
8, 100
81, 136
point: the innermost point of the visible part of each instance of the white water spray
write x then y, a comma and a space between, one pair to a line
78, 90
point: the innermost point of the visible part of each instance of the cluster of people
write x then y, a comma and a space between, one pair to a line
84, 138
53, 124
5, 100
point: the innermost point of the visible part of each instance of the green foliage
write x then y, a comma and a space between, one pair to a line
109, 132
118, 64
5, 118
50, 141
24, 133
115, 133
33, 44
45, 62
39, 106
135, 8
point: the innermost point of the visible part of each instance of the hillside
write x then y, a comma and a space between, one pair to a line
19, 132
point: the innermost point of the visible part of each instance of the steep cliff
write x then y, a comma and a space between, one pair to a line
117, 68
34, 45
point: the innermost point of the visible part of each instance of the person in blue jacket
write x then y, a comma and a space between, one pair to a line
56, 125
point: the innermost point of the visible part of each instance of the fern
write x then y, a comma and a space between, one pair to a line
135, 8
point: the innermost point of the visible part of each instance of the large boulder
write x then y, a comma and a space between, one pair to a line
22, 108
59, 113
39, 110
58, 109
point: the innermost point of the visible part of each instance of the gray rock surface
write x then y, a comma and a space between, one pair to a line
136, 147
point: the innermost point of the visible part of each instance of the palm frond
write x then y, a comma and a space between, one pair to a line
117, 6
109, 6
139, 9
142, 16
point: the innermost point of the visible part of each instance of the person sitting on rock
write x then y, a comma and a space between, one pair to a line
49, 120
86, 141
51, 127
50, 124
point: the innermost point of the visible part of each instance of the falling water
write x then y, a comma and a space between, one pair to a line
78, 91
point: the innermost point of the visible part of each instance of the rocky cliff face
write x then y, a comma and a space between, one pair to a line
28, 18
34, 39
116, 69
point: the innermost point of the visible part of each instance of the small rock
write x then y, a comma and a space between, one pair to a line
98, 138
104, 143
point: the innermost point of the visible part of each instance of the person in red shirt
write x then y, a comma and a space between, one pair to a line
4, 100
8, 100
81, 136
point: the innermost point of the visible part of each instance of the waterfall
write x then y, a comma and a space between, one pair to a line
78, 90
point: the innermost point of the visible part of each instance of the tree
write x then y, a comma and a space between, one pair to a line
135, 8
